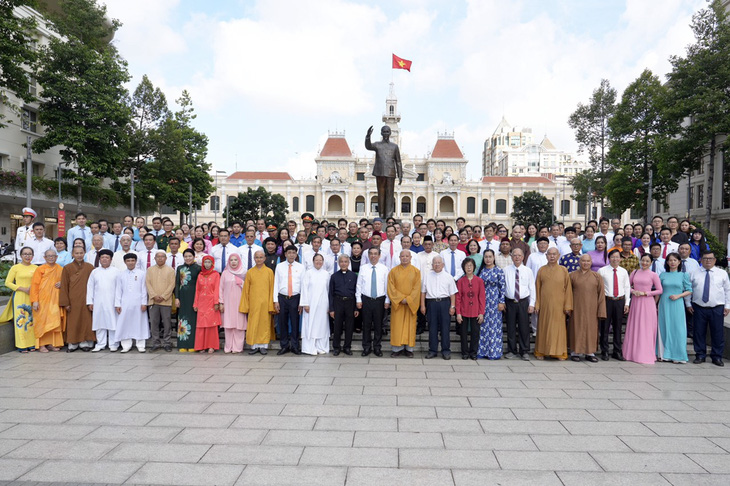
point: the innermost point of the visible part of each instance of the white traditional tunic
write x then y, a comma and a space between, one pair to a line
100, 291
131, 295
315, 323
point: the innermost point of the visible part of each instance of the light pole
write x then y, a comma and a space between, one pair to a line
224, 193
60, 177
28, 173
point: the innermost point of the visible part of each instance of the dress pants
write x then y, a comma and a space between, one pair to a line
421, 324
614, 318
160, 313
518, 323
712, 317
469, 328
289, 310
344, 317
439, 322
101, 339
372, 321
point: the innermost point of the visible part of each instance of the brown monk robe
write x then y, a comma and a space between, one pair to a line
74, 278
554, 302
589, 306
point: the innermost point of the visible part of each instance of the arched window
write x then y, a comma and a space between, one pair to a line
446, 205
295, 204
334, 205
471, 205
405, 205
392, 109
485, 206
215, 203
374, 204
565, 207
309, 203
360, 205
501, 206
421, 205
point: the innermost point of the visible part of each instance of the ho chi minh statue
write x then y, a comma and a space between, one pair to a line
386, 168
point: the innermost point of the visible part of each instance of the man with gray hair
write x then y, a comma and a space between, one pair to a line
371, 296
438, 303
125, 246
92, 256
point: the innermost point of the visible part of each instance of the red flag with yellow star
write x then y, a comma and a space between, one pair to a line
399, 63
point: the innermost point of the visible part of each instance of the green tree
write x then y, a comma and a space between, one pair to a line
259, 203
532, 207
17, 55
84, 106
178, 161
700, 94
592, 132
639, 139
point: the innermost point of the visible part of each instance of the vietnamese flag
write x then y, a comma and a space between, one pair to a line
399, 63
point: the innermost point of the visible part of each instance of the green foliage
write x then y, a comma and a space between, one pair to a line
4, 269
639, 138
259, 203
588, 185
83, 108
17, 56
698, 87
532, 207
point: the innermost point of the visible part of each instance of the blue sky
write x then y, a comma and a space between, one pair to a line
270, 78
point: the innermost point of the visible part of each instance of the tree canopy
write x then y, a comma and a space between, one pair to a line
259, 203
17, 55
532, 207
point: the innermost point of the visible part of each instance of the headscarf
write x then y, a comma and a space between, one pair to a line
238, 274
207, 271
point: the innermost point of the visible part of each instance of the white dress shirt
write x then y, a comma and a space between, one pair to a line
113, 242
364, 284
426, 261
109, 240
39, 248
262, 235
535, 262
142, 259
217, 253
527, 283
551, 244
78, 232
179, 260
438, 285
719, 288
385, 250
281, 279
91, 256
671, 247
486, 244
309, 259
24, 233
118, 258
624, 284
334, 264
690, 265
459, 256
657, 266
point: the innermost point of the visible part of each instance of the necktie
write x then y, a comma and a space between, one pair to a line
116, 243
517, 283
223, 260
664, 252
453, 263
149, 258
374, 283
173, 262
290, 284
96, 260
335, 267
615, 283
653, 266
706, 289
684, 270
391, 251
300, 253
250, 264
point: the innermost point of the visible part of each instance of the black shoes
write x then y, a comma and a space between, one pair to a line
592, 359
253, 351
365, 352
718, 362
348, 352
396, 354
604, 356
430, 355
168, 348
263, 351
699, 360
618, 356
282, 351
155, 348
296, 351
409, 354
378, 353
336, 352
575, 358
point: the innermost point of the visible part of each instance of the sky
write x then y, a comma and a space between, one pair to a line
269, 79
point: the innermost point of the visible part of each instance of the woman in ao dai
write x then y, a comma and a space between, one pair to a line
233, 322
315, 306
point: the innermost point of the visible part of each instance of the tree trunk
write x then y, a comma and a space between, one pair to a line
710, 182
78, 190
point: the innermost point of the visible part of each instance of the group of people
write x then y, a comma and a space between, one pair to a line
123, 284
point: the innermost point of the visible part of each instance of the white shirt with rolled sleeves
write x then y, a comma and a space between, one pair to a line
364, 284
459, 256
527, 283
624, 284
719, 288
385, 251
438, 285
39, 248
281, 279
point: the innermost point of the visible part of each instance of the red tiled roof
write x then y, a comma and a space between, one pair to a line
336, 147
446, 149
255, 176
517, 180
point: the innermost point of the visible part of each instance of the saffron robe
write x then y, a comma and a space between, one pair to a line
49, 321
404, 283
257, 300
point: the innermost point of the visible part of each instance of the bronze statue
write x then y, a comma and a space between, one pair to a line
386, 168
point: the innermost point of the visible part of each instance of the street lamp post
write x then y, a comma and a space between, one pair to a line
224, 193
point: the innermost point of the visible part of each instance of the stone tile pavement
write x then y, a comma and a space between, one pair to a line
169, 418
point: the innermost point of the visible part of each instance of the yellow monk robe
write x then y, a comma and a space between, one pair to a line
404, 283
554, 298
49, 319
257, 300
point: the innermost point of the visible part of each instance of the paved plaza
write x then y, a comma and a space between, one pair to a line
169, 418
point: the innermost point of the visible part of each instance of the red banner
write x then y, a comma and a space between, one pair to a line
61, 222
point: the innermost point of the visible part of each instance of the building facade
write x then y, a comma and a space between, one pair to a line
434, 186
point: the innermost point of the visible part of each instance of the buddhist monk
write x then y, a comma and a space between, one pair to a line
404, 291
589, 306
74, 278
554, 301
49, 319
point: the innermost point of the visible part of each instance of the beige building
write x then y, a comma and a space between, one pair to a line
434, 186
